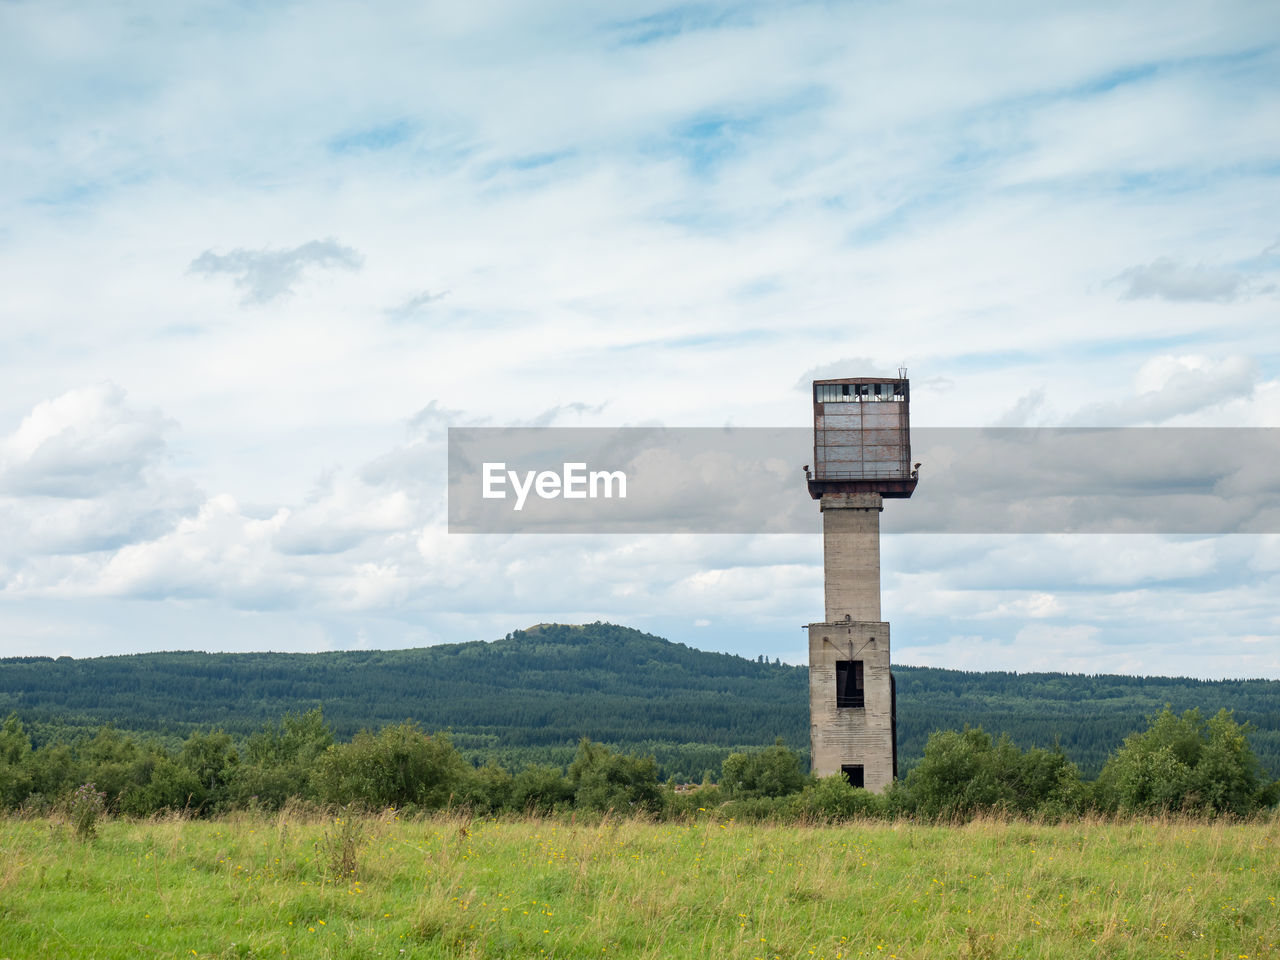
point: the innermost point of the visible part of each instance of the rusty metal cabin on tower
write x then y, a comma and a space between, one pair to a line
862, 437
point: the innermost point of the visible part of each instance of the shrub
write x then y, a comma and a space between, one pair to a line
86, 806
213, 759
834, 798
397, 766
771, 772
15, 757
700, 802
340, 847
1185, 764
758, 808
965, 772
171, 786
279, 760
604, 780
486, 790
539, 788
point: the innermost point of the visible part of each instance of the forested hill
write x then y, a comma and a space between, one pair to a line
531, 695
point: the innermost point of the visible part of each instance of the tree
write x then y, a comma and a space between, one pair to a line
539, 788
965, 771
280, 759
604, 780
169, 786
1185, 763
15, 756
834, 798
109, 759
486, 790
212, 759
299, 738
771, 772
54, 771
397, 766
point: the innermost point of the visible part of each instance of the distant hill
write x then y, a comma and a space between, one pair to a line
529, 696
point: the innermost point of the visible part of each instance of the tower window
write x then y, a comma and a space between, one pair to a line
835, 392
853, 773
849, 692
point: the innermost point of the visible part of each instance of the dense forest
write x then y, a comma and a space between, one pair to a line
532, 695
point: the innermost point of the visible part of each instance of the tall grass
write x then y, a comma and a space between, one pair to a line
301, 884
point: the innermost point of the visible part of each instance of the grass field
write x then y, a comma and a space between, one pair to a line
294, 886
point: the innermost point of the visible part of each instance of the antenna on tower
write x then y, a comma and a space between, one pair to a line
902, 371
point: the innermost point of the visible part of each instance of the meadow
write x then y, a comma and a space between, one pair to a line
302, 885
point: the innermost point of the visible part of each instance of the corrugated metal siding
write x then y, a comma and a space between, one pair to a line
862, 441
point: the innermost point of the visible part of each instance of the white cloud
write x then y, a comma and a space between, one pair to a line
80, 444
414, 307
640, 216
218, 552
1168, 279
84, 472
267, 274
343, 516
844, 367
1029, 407
1167, 387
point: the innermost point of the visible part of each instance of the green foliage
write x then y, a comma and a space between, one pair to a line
487, 790
397, 766
298, 739
169, 785
85, 807
772, 772
757, 809
693, 804
1182, 764
604, 780
1088, 716
15, 745
212, 759
834, 798
530, 696
671, 713
1185, 763
52, 769
540, 788
523, 699
279, 760
965, 772
15, 757
112, 756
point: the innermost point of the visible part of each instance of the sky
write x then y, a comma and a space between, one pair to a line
257, 258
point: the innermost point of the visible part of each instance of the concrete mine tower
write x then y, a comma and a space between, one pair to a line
861, 456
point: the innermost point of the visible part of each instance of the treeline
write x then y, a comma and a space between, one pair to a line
1086, 715
526, 698
529, 697
1180, 763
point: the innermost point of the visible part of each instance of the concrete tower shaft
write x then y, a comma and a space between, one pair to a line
851, 555
851, 703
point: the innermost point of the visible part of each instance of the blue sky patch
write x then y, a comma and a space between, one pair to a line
687, 18
371, 139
